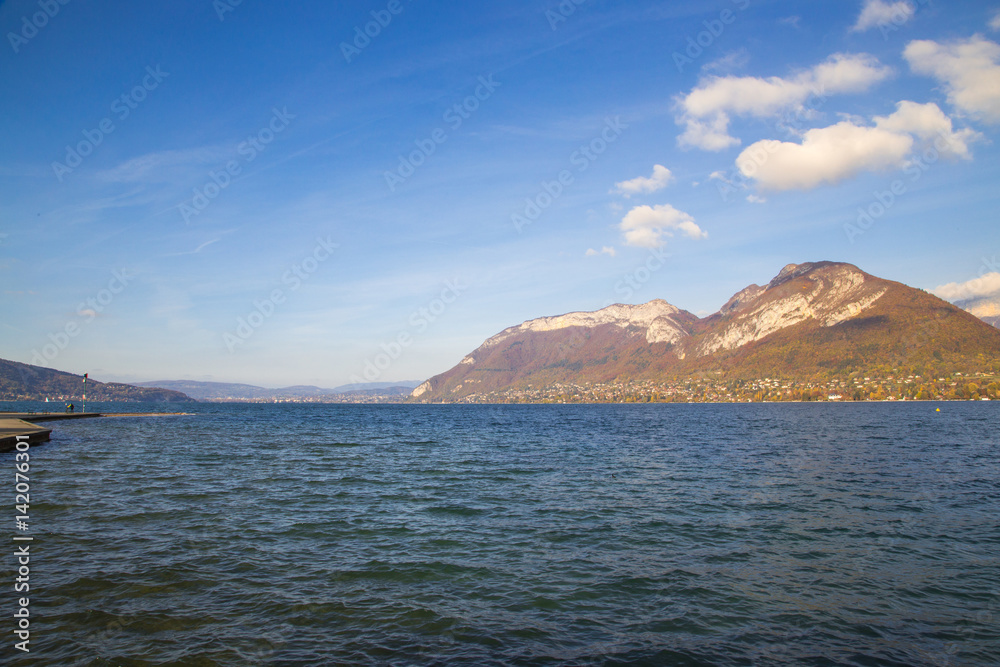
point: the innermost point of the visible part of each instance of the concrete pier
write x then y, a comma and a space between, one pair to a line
14, 424
10, 429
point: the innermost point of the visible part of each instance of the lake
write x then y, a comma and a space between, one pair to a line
759, 534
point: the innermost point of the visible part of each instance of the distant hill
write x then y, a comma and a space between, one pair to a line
23, 382
224, 391
812, 321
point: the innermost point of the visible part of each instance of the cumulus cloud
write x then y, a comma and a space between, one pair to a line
928, 123
706, 111
832, 154
646, 226
969, 70
826, 155
660, 179
877, 13
756, 199
985, 285
606, 250
712, 135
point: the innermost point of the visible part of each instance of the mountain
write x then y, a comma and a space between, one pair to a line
224, 391
812, 321
23, 382
208, 391
376, 386
986, 308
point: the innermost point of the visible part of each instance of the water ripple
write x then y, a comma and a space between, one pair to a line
527, 535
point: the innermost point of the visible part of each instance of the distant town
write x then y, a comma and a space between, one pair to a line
980, 386
958, 387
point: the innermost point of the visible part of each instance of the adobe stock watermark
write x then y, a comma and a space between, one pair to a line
363, 35
884, 200
419, 322
714, 28
455, 116
582, 158
87, 311
293, 279
989, 265
562, 12
902, 12
223, 7
122, 107
635, 280
248, 150
31, 26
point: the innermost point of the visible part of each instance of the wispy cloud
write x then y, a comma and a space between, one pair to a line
729, 63
196, 250
606, 250
164, 166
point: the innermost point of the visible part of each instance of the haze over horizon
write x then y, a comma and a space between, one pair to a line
237, 192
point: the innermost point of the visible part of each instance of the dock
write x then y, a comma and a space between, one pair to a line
14, 424
22, 424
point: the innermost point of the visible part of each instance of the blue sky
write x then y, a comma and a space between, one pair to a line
247, 192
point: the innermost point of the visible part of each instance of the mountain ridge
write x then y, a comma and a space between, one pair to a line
811, 320
19, 382
227, 391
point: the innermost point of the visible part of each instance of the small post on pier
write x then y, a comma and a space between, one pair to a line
85, 391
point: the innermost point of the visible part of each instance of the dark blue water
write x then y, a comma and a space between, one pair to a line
825, 534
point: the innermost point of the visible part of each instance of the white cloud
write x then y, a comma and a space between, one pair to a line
756, 199
995, 21
929, 123
645, 226
826, 156
877, 13
970, 71
705, 112
985, 285
660, 179
606, 250
710, 136
832, 154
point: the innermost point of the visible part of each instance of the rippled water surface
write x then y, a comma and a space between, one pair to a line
827, 534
